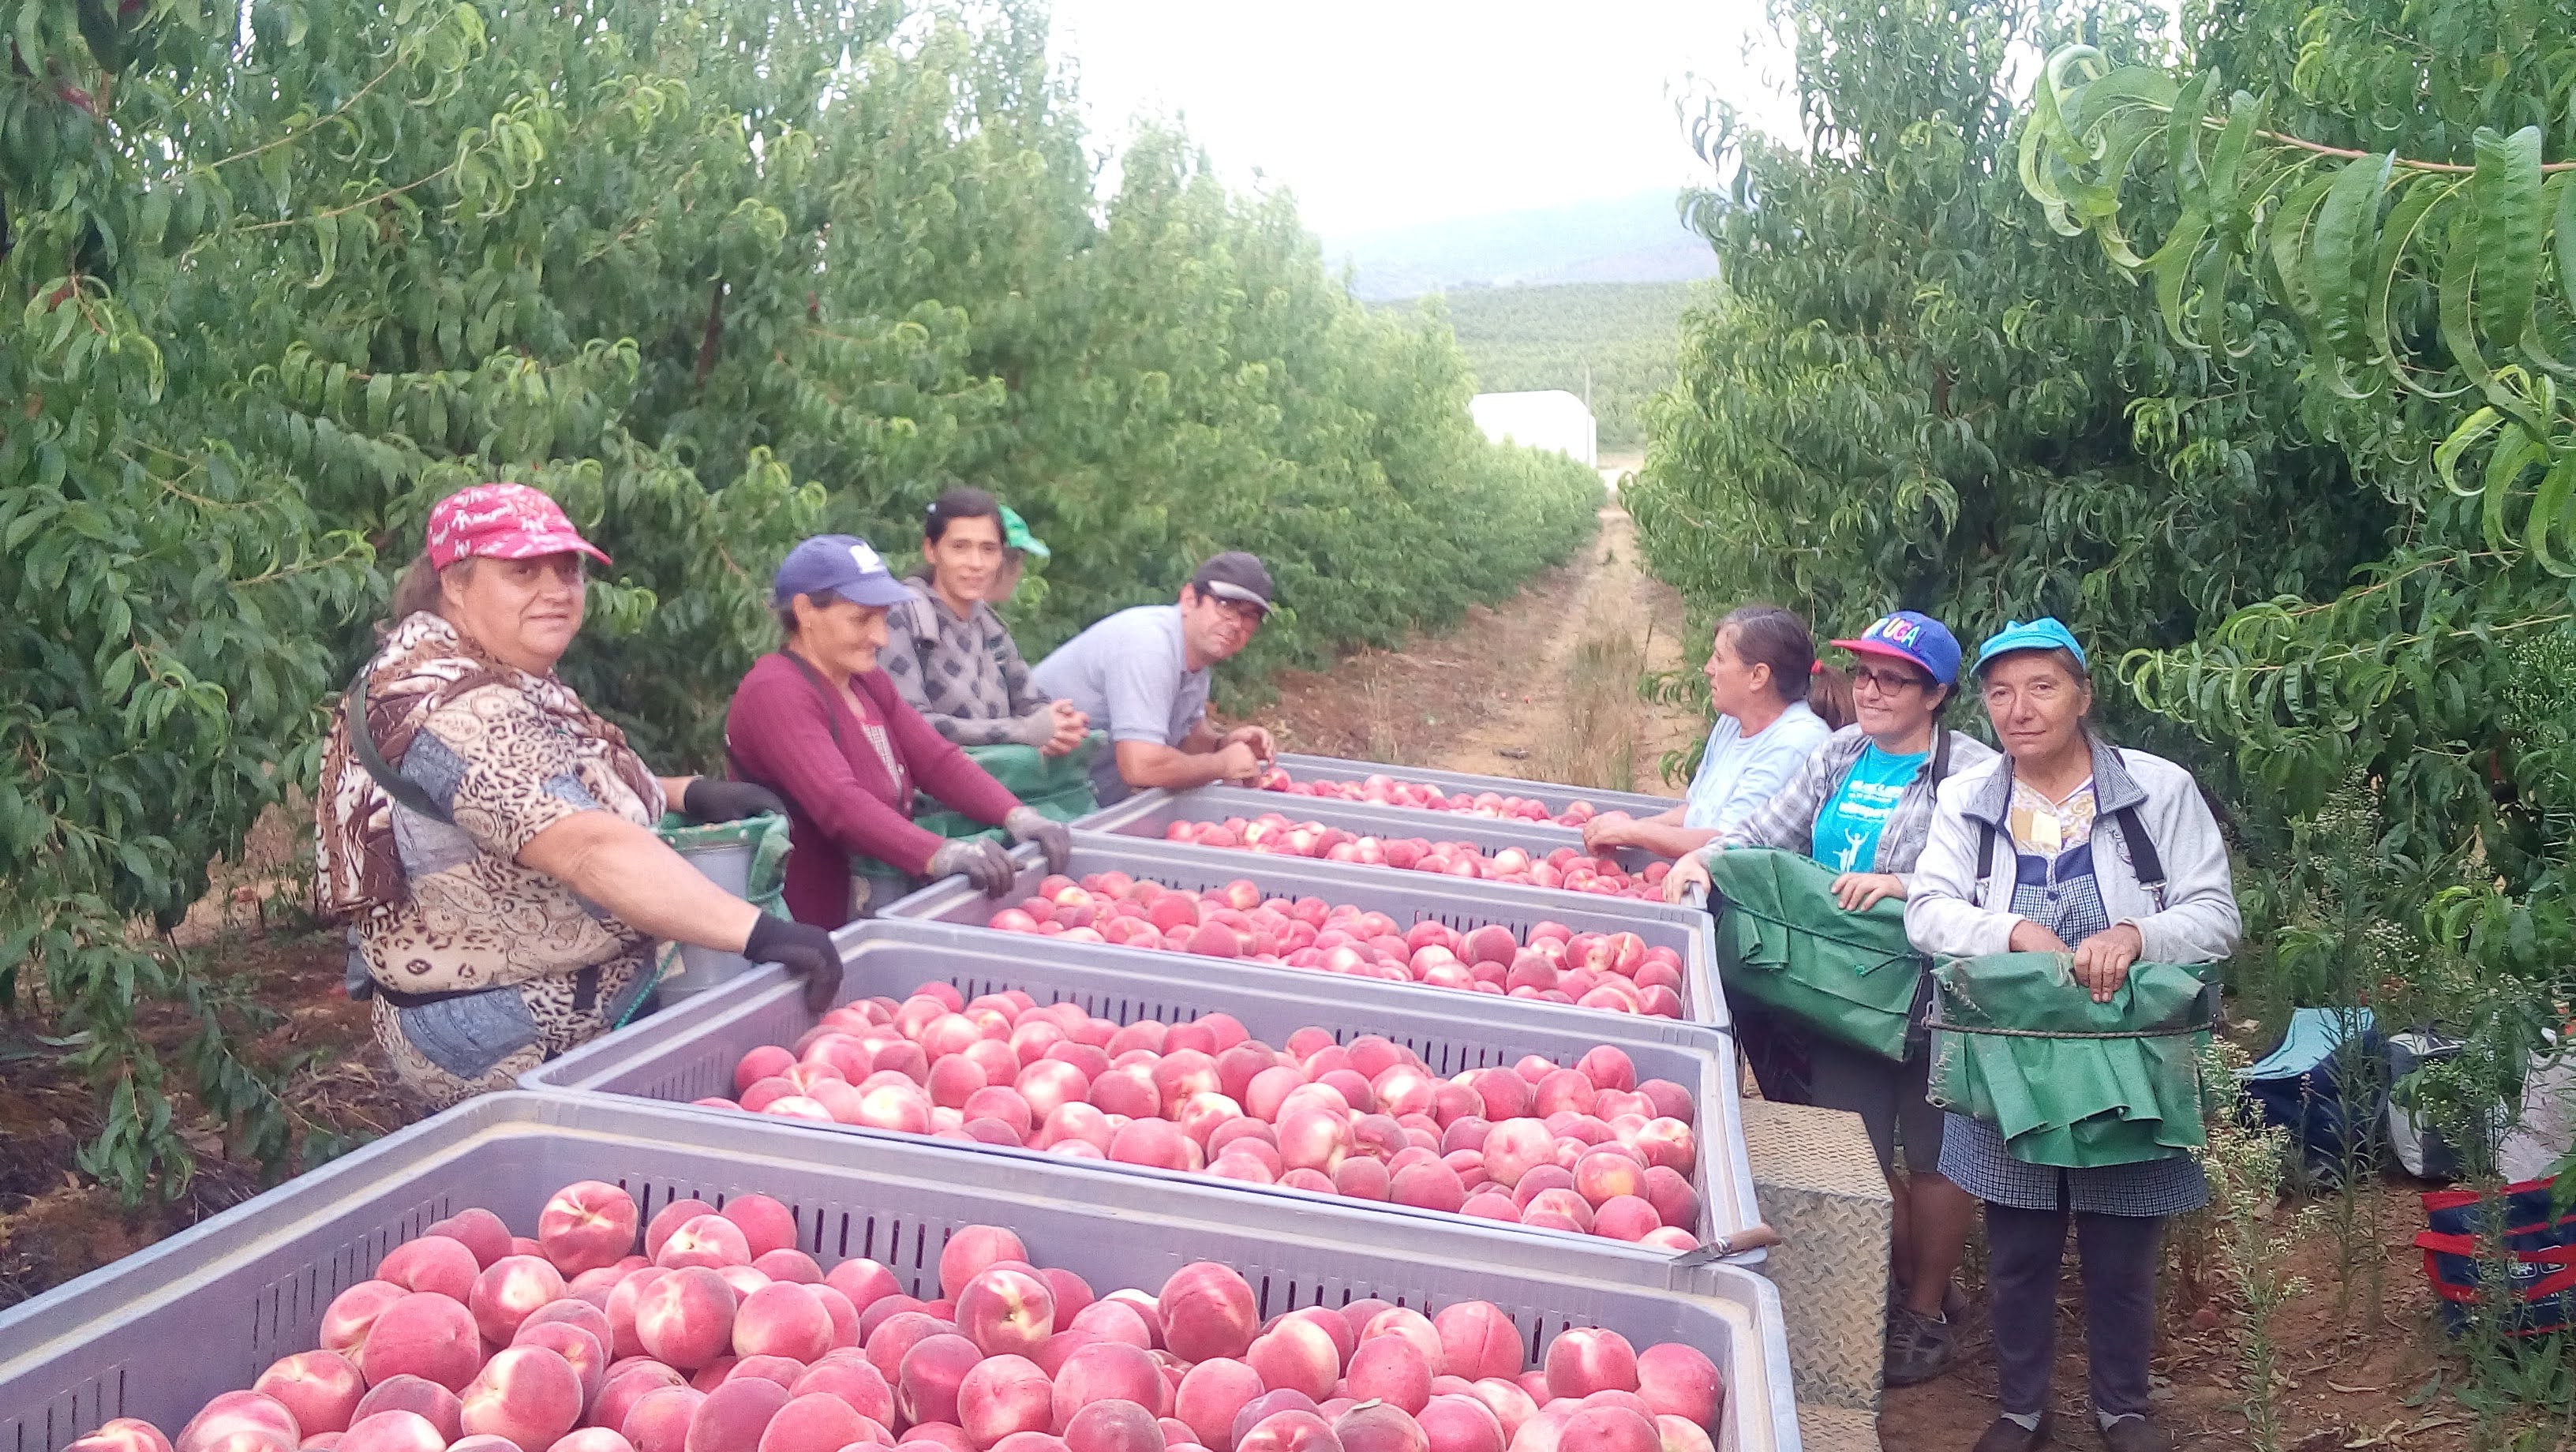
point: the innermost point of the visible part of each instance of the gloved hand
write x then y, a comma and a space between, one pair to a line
806, 950
981, 860
711, 800
1028, 824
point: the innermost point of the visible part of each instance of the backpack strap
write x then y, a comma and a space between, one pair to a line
362, 745
1985, 851
2142, 852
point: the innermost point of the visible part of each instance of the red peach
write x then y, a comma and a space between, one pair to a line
1115, 1321
1109, 1371
586, 1225
851, 1378
1156, 1143
1679, 1380
1625, 1217
509, 1290
1207, 1310
1003, 1394
576, 1345
1514, 1147
686, 1317
766, 1224
1669, 1143
864, 1281
1540, 1179
438, 1264
1060, 1347
480, 1229
970, 1250
926, 1386
782, 1319
1602, 1174
1071, 1292
1148, 1310
123, 1434
897, 1335
1129, 1091
1680, 1434
1558, 1209
1490, 1204
1413, 1326
1459, 1422
815, 1422
708, 1240
1362, 1179
425, 1335
1006, 1311
659, 1229
1430, 1186
1290, 1431
1670, 1192
1379, 1427
659, 1420
1588, 1359
622, 1300
1510, 1404
1477, 1340
528, 1394
789, 1264
393, 1431
1609, 1429
623, 1389
592, 1439
734, 1415
240, 1419
784, 1370
353, 1312
1297, 1354
321, 1389
1211, 1395
1542, 1431
1670, 1100
759, 1064
418, 1395
1392, 1369
1112, 1425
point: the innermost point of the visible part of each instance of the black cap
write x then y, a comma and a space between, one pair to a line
1235, 575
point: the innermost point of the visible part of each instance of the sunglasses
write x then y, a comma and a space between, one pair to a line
1889, 682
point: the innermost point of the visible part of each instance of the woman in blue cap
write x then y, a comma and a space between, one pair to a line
2069, 845
1862, 805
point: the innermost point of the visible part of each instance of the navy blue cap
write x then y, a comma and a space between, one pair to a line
844, 564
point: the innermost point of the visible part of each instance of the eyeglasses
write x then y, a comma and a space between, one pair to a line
1889, 683
1245, 614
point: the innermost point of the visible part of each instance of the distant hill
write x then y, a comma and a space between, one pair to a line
1628, 334
1626, 239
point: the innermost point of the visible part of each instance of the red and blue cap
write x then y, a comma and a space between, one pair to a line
1914, 637
502, 522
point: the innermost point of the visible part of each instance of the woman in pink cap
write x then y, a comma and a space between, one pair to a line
490, 839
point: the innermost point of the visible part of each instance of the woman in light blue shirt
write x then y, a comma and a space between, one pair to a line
1776, 704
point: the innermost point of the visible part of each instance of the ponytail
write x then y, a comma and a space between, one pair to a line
1829, 694
416, 589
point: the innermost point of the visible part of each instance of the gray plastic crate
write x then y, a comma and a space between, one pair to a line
1557, 795
681, 1057
1147, 814
1407, 897
158, 1333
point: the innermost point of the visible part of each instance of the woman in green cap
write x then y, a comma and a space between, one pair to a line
2070, 845
950, 654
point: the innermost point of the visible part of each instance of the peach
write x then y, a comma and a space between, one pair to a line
667, 1220
622, 1300
571, 1311
622, 1388
1508, 1401
788, 1264
1680, 1381
321, 1389
576, 1345
815, 1422
528, 1394
480, 1230
659, 1420
1203, 1114
1207, 1310
1147, 1309
1154, 1142
735, 1415
240, 1418
592, 1439
1543, 1430
1291, 1431
1393, 1369
784, 1370
586, 1225
1211, 1395
1668, 1143
970, 1250
1115, 1321
1602, 1174
928, 1380
507, 1292
1459, 1422
394, 1431
1001, 1395
1680, 1434
1313, 1139
1112, 1425
853, 1379
418, 1395
1670, 1100
1610, 1429
1296, 1354
353, 1312
1588, 1359
1413, 1326
1490, 1204
863, 1281
782, 1319
1515, 1147
1429, 1186
1362, 1179
123, 1434
708, 1240
1060, 1347
1540, 1179
1491, 943
1108, 1371
1380, 1427
425, 1335
1030, 1442
686, 1317
1477, 1340
1071, 1293
766, 1224
895, 1338
1670, 1192
438, 1264
1625, 1217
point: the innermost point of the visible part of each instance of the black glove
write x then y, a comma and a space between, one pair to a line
711, 800
1028, 824
981, 860
806, 951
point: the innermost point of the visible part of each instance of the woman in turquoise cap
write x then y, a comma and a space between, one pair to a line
2069, 844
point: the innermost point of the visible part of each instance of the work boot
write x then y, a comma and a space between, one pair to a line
1919, 1347
2007, 1435
2136, 1434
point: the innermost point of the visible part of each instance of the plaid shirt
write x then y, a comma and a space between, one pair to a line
965, 676
1788, 820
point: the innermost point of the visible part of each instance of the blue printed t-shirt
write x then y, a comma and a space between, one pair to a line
1850, 822
1738, 773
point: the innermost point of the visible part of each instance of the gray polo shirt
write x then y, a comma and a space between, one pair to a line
1128, 673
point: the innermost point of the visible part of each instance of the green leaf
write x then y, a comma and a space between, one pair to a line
2548, 515
2343, 225
2505, 191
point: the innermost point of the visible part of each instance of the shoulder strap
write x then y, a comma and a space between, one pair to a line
1939, 768
362, 745
1985, 851
822, 691
2142, 848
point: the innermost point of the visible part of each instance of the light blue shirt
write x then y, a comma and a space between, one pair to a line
1130, 674
1738, 773
1850, 822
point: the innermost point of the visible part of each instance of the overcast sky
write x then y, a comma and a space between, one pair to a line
1382, 113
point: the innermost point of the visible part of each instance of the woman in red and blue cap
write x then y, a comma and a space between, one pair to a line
490, 838
820, 723
1862, 805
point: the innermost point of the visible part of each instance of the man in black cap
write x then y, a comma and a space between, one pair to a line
1143, 674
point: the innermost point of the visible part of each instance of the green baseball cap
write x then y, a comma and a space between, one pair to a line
1015, 534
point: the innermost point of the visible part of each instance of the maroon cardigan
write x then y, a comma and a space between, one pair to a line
840, 803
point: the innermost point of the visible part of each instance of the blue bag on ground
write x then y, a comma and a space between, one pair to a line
2541, 1247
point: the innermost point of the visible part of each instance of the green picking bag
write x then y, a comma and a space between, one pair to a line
1058, 786
1785, 943
2070, 1082
756, 846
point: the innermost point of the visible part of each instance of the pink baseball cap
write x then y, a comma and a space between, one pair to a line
502, 522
